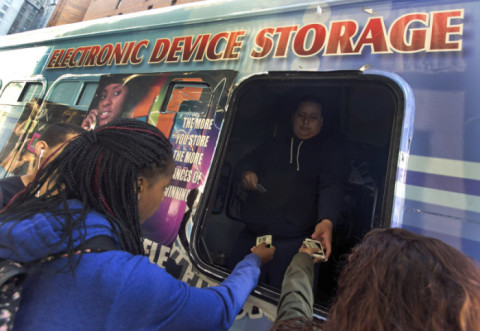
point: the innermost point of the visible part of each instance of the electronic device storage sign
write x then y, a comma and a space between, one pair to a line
439, 31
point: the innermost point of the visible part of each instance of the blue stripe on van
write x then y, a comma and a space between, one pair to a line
446, 183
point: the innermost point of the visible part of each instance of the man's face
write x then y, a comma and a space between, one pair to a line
307, 120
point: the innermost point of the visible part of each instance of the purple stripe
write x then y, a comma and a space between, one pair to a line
452, 184
419, 208
468, 247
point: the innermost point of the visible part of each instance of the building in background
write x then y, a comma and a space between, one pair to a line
9, 10
49, 7
24, 15
71, 11
32, 15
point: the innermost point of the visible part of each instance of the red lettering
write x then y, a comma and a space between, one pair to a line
283, 39
190, 47
159, 50
373, 34
340, 38
53, 59
264, 41
86, 51
202, 47
399, 29
120, 56
212, 46
176, 47
441, 31
135, 59
105, 55
60, 57
68, 55
73, 62
319, 35
90, 61
233, 43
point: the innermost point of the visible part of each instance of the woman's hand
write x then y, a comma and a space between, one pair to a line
310, 251
90, 120
263, 252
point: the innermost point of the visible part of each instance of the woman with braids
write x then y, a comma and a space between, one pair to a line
102, 186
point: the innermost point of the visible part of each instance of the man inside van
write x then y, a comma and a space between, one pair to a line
295, 189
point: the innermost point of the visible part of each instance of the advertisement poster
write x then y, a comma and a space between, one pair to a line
188, 111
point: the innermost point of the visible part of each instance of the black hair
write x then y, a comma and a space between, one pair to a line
308, 98
137, 89
99, 168
56, 133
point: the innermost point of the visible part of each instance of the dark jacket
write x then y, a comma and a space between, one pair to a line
304, 180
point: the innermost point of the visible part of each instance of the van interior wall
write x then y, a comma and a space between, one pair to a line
362, 112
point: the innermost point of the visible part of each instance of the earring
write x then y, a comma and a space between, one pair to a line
138, 197
40, 158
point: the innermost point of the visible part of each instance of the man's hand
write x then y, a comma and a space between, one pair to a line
323, 233
263, 252
249, 180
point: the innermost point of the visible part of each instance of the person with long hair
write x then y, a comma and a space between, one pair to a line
49, 144
83, 240
398, 280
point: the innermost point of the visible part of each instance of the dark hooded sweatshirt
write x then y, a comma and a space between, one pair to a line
304, 180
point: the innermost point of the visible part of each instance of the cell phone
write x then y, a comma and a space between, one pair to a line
265, 239
312, 243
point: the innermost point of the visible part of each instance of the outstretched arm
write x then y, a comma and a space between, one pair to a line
296, 298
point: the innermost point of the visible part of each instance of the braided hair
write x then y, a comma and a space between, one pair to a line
99, 168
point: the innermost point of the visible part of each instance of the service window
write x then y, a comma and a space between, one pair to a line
297, 159
19, 104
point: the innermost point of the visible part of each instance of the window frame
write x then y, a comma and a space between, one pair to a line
205, 205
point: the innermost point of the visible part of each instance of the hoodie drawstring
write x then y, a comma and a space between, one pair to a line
291, 150
298, 153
